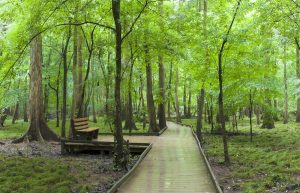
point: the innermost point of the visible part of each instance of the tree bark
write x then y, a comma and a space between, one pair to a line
38, 129
200, 104
250, 113
129, 121
178, 117
220, 76
150, 102
65, 85
25, 116
170, 91
119, 152
286, 112
184, 100
16, 113
189, 114
298, 77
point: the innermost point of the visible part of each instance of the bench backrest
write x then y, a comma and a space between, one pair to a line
81, 123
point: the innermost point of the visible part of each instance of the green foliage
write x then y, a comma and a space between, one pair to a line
270, 161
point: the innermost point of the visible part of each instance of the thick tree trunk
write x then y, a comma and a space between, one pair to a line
38, 129
150, 102
162, 103
119, 152
16, 113
200, 104
178, 117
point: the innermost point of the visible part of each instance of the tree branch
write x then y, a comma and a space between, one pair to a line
135, 20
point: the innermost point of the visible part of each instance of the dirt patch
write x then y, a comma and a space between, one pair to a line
100, 174
223, 174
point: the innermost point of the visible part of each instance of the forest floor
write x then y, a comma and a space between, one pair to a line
18, 129
271, 163
39, 167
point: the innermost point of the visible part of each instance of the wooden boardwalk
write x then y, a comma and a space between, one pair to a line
174, 164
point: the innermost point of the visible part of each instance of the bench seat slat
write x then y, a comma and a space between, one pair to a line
80, 119
81, 127
88, 129
81, 123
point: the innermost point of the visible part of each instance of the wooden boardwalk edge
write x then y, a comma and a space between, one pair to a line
116, 186
212, 175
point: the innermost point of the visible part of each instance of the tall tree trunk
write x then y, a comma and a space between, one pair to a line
220, 75
93, 107
200, 104
150, 102
178, 117
46, 101
170, 91
65, 85
16, 113
162, 102
119, 153
257, 114
250, 113
129, 121
184, 100
25, 116
189, 115
286, 112
298, 77
38, 129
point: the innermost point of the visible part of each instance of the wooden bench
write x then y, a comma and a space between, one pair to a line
82, 130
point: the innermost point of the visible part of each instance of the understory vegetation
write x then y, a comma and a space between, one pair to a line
270, 162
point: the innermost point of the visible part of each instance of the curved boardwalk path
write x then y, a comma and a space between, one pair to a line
174, 164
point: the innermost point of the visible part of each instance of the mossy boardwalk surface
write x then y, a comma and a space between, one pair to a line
174, 164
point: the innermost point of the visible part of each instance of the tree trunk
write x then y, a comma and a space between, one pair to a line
119, 152
25, 117
285, 79
178, 117
298, 77
65, 84
162, 103
184, 100
257, 114
16, 113
38, 129
189, 115
250, 114
220, 76
129, 121
170, 91
200, 104
150, 102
